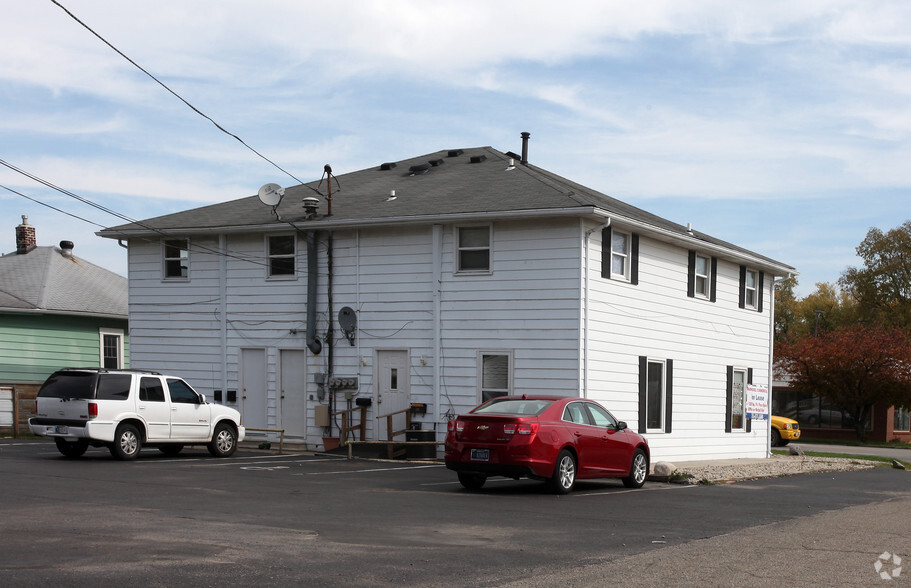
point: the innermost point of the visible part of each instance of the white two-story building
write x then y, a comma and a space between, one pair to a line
446, 279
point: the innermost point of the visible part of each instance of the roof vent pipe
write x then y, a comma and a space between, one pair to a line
66, 249
525, 136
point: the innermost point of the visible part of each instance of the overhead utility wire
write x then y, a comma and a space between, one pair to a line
66, 192
53, 207
179, 97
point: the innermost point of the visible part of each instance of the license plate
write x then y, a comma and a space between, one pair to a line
480, 455
61, 429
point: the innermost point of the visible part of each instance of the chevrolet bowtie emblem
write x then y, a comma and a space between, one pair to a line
483, 427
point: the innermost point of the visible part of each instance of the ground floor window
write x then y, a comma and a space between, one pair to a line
655, 394
495, 374
902, 419
737, 381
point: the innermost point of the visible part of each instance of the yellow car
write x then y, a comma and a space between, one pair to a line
784, 430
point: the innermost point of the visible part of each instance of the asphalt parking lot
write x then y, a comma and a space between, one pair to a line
325, 521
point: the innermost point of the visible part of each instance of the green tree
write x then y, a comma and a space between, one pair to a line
882, 287
825, 309
852, 367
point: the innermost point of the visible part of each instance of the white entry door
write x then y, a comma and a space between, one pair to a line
293, 392
393, 391
253, 387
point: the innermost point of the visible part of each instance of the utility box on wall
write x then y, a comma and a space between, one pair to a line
321, 415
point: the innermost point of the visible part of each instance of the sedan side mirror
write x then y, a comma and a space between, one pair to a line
621, 425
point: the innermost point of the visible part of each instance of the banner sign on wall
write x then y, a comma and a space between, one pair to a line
757, 402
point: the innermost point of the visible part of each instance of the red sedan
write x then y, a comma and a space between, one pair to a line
547, 438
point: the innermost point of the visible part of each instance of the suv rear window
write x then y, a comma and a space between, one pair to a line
114, 386
69, 385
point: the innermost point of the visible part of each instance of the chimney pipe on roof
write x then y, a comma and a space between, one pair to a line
525, 136
25, 237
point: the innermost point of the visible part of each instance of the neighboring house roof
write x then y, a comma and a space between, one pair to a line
47, 281
443, 186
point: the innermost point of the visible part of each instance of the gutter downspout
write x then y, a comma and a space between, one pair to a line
585, 304
223, 310
436, 285
313, 343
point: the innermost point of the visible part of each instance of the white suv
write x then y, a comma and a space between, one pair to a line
126, 409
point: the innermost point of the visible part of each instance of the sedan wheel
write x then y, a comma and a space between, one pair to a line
472, 481
127, 443
564, 473
638, 470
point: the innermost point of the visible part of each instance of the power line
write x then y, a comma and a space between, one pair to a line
52, 207
179, 97
226, 253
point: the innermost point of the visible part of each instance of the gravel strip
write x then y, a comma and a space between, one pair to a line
777, 465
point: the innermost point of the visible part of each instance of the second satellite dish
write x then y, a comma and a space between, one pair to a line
271, 194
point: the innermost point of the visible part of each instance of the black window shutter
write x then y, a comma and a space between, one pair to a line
634, 260
759, 292
669, 394
743, 287
714, 278
691, 276
643, 390
605, 252
729, 403
749, 381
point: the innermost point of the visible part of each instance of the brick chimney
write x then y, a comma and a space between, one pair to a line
25, 237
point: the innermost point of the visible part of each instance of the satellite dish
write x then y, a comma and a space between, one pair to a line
347, 320
271, 194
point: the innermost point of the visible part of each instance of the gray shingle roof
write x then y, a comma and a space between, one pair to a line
444, 184
44, 280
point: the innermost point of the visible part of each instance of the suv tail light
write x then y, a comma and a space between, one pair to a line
93, 409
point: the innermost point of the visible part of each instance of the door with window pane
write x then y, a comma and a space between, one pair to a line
393, 390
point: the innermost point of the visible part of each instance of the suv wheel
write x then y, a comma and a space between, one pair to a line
127, 442
224, 441
71, 448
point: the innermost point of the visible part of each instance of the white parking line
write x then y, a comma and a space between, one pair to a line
368, 470
652, 488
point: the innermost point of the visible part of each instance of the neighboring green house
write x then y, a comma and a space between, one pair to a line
56, 310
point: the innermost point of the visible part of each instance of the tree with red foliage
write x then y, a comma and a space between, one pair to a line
853, 368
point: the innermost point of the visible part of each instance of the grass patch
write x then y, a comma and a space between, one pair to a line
877, 458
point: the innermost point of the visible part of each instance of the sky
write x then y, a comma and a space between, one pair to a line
783, 127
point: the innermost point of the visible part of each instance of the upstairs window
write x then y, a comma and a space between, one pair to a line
281, 256
620, 255
701, 276
751, 284
176, 259
473, 249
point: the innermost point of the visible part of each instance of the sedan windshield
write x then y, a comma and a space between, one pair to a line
514, 406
